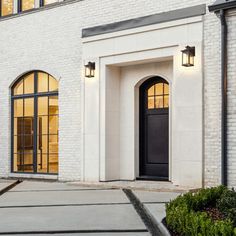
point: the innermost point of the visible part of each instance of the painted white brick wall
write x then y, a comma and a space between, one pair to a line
231, 21
50, 40
212, 101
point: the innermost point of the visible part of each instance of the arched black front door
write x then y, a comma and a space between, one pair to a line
154, 129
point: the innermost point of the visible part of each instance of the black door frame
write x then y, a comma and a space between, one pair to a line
143, 103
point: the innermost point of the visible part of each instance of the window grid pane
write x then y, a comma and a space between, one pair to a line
6, 7
46, 135
158, 96
27, 5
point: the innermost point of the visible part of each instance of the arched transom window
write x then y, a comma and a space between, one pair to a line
35, 124
158, 95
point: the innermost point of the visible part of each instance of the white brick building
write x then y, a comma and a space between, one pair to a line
142, 116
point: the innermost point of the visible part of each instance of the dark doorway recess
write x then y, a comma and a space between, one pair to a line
154, 129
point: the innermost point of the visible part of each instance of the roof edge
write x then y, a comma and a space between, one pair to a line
222, 6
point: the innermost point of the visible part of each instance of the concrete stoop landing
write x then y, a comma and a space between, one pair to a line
46, 208
157, 186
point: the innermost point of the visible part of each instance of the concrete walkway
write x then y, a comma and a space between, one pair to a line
43, 208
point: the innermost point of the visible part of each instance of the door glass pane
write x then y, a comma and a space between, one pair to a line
42, 163
151, 91
6, 7
29, 84
53, 124
53, 144
18, 143
166, 101
42, 106
15, 161
18, 108
151, 104
53, 163
23, 162
28, 126
159, 89
18, 89
53, 105
159, 102
42, 125
18, 161
42, 82
42, 144
15, 145
28, 142
53, 84
28, 162
29, 107
166, 89
27, 5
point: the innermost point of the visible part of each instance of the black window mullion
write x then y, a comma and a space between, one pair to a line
48, 137
23, 136
19, 6
12, 135
35, 140
154, 95
0, 8
163, 96
41, 3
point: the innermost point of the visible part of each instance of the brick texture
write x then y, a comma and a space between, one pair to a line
50, 40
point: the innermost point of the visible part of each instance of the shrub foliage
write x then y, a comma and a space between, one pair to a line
186, 216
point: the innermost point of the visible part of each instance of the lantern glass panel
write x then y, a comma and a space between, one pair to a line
87, 71
92, 72
191, 59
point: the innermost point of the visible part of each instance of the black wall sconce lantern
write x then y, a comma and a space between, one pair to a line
188, 55
90, 69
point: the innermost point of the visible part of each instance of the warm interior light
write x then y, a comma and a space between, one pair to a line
188, 55
90, 70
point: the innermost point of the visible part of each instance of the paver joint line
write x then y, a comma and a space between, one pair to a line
154, 202
145, 216
9, 187
62, 190
67, 205
75, 232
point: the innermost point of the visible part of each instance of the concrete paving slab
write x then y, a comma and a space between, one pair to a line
48, 186
7, 180
157, 210
148, 196
63, 198
115, 217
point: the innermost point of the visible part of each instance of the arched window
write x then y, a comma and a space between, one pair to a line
35, 124
158, 95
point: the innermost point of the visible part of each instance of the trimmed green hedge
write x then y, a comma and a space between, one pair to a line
185, 214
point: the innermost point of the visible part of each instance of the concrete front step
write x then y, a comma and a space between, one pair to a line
159, 186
